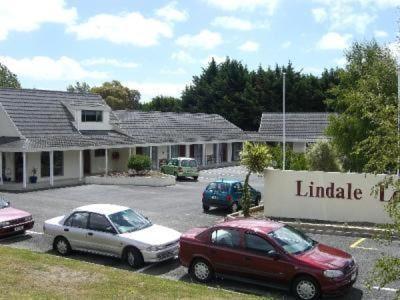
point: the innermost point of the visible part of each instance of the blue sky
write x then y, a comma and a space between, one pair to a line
157, 46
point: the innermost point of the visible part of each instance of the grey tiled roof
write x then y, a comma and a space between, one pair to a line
45, 122
168, 127
308, 127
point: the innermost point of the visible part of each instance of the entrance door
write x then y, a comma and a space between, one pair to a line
182, 150
224, 152
86, 162
3, 166
18, 166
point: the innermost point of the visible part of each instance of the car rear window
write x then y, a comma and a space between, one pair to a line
189, 163
218, 186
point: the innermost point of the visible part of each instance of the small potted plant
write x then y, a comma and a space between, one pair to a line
33, 177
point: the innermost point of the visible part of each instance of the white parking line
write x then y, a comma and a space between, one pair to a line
34, 232
385, 289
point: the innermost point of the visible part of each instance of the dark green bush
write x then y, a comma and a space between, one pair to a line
294, 161
139, 163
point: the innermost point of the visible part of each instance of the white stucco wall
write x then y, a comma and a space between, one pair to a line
162, 152
7, 127
283, 197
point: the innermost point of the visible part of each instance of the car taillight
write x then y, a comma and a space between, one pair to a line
229, 198
180, 169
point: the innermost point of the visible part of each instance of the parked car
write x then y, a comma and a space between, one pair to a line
113, 230
227, 194
267, 253
12, 220
181, 167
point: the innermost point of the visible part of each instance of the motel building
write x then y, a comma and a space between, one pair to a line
53, 138
302, 129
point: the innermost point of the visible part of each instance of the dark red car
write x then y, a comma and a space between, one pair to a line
13, 221
267, 253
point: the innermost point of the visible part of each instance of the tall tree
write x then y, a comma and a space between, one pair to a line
8, 79
118, 96
365, 128
162, 103
79, 87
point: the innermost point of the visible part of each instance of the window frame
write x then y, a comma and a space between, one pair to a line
114, 231
99, 153
58, 163
72, 215
239, 244
96, 117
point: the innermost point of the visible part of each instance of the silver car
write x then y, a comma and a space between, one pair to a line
113, 230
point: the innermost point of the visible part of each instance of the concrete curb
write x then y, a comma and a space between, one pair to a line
323, 228
165, 180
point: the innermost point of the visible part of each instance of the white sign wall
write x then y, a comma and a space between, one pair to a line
328, 196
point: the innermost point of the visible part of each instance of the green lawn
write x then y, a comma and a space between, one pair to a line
27, 274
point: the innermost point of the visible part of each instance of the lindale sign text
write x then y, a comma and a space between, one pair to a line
330, 191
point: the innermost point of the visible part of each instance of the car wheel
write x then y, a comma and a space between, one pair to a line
206, 208
134, 258
234, 207
62, 246
195, 178
201, 271
306, 288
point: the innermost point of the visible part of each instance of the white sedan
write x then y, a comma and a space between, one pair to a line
113, 230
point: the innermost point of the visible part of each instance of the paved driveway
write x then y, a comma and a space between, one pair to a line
178, 207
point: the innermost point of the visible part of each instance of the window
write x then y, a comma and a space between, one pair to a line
78, 219
175, 162
189, 163
256, 243
58, 163
92, 116
129, 221
226, 238
212, 186
237, 187
99, 153
100, 223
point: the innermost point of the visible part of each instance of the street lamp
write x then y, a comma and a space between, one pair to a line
398, 118
284, 121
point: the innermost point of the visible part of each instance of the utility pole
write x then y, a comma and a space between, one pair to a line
284, 121
398, 119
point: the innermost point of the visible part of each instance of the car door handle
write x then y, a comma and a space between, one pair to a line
66, 229
90, 233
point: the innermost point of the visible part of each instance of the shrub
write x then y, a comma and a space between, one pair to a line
322, 156
294, 161
139, 163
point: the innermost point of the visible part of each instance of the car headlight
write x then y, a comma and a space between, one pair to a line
4, 224
28, 218
155, 248
333, 273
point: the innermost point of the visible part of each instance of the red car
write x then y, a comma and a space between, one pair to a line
267, 253
13, 221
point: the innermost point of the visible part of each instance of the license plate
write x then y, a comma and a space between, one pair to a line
18, 228
353, 276
214, 197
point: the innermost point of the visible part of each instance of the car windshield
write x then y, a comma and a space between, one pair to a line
189, 163
129, 220
292, 240
3, 203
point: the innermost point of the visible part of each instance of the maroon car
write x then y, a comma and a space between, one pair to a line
267, 253
13, 221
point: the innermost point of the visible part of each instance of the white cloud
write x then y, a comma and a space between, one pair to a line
380, 33
218, 59
149, 90
233, 23
26, 16
109, 62
319, 14
249, 46
205, 39
46, 68
246, 5
333, 41
179, 71
286, 44
183, 56
171, 14
128, 28
341, 62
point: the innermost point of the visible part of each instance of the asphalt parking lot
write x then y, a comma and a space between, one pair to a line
179, 207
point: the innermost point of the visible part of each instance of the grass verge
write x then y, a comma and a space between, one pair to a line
26, 274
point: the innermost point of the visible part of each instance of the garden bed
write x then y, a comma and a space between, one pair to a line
151, 178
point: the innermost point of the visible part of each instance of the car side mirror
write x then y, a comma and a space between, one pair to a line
274, 255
